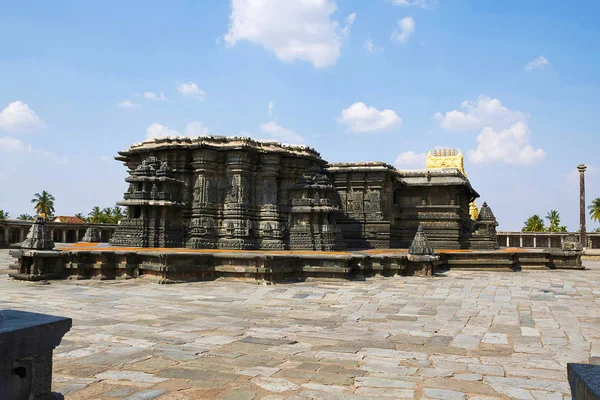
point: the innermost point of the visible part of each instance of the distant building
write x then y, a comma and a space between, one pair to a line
65, 219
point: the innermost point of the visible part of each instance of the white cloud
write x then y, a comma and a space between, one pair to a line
195, 128
361, 118
17, 117
157, 130
128, 104
425, 4
192, 129
292, 30
280, 133
155, 96
538, 63
349, 21
410, 159
12, 145
190, 89
509, 145
270, 107
481, 113
406, 28
371, 48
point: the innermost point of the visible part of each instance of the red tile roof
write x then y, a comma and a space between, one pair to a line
68, 219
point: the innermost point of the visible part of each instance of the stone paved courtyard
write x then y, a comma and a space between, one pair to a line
475, 335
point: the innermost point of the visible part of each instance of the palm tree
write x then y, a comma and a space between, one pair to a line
95, 216
117, 214
595, 209
25, 217
534, 224
106, 215
43, 204
81, 216
3, 215
554, 218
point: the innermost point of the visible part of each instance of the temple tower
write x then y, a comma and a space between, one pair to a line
154, 205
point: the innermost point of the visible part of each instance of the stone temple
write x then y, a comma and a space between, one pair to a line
237, 193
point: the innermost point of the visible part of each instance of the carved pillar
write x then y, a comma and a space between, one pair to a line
520, 241
270, 223
204, 222
238, 223
21, 234
549, 241
582, 229
535, 241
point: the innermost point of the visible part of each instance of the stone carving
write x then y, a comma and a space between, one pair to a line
419, 245
484, 230
239, 193
38, 237
571, 243
91, 235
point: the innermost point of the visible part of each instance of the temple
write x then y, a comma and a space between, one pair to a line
242, 194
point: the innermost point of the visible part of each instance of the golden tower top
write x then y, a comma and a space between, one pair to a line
446, 158
450, 158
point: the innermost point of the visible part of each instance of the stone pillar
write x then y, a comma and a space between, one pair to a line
549, 241
582, 233
270, 227
203, 226
535, 241
64, 236
520, 241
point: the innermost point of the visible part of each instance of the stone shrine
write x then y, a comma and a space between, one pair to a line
243, 194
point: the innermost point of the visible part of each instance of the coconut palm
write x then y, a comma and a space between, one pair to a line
95, 216
117, 214
595, 209
554, 221
3, 215
534, 224
81, 216
25, 217
43, 203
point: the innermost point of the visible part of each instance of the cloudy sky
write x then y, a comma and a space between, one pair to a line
513, 84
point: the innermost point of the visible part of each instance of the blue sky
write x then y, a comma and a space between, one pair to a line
513, 84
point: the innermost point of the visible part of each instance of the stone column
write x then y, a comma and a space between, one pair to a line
582, 234
205, 198
64, 236
549, 241
507, 240
520, 241
21, 234
535, 241
270, 227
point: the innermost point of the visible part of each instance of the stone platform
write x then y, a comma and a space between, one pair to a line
168, 265
470, 335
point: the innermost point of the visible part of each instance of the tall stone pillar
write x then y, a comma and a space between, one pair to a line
64, 236
270, 223
582, 230
203, 227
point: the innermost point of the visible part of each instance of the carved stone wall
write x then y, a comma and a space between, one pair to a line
235, 193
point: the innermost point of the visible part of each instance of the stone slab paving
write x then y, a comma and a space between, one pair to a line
466, 335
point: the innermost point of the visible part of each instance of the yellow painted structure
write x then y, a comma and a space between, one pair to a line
450, 158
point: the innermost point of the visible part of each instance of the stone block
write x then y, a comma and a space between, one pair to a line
584, 380
26, 344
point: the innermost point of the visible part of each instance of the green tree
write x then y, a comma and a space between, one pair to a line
43, 204
95, 216
81, 216
534, 224
25, 217
117, 214
553, 218
595, 209
3, 215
